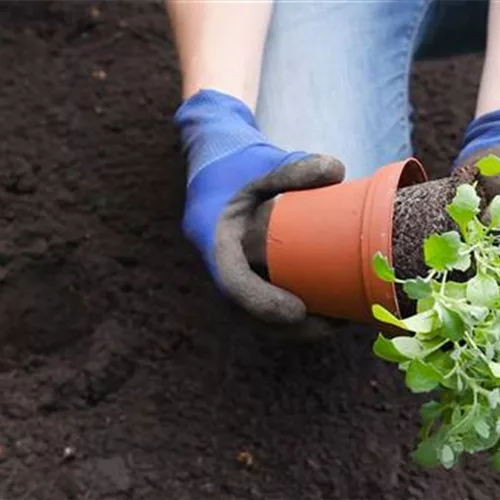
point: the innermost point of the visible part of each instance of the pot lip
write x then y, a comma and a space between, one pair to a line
379, 202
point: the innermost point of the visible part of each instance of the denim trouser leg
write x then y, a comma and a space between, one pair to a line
336, 78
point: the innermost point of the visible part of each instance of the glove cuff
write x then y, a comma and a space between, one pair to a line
215, 102
482, 133
214, 125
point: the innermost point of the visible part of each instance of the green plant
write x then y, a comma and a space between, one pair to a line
453, 344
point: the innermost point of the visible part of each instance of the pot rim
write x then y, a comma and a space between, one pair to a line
380, 200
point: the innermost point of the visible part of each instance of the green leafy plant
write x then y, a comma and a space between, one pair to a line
452, 344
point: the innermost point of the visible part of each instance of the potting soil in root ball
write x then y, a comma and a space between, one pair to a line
123, 374
420, 211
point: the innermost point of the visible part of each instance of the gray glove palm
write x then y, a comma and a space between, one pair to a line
233, 169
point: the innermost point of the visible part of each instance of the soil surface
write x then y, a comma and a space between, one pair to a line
123, 374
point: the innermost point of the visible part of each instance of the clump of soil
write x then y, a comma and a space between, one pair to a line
420, 211
123, 374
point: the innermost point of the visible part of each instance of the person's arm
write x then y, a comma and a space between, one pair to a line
220, 45
232, 167
489, 92
482, 135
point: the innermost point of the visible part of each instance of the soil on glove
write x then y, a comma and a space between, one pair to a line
123, 374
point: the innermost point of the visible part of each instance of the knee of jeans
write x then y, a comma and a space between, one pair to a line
363, 130
355, 144
363, 160
350, 103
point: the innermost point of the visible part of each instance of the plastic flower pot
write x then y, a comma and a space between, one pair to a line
321, 242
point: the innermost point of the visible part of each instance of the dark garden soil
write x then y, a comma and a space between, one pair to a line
123, 375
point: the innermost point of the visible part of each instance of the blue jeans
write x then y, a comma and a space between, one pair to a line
336, 73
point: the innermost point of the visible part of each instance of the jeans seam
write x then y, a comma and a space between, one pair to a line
408, 57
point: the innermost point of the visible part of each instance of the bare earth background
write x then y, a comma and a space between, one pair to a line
122, 374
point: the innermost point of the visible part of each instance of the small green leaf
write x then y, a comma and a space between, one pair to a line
489, 166
422, 322
489, 351
457, 446
426, 453
409, 347
494, 210
417, 288
383, 269
382, 314
475, 313
441, 361
495, 460
464, 261
494, 398
456, 415
455, 290
430, 411
482, 429
429, 345
482, 290
465, 205
453, 326
425, 304
384, 348
494, 368
421, 377
403, 366
472, 441
442, 251
447, 456
476, 231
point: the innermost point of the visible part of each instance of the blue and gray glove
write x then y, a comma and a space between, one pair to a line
233, 169
482, 138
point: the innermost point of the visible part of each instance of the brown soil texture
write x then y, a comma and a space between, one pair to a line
419, 211
123, 374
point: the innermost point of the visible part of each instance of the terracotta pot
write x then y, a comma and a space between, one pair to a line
321, 242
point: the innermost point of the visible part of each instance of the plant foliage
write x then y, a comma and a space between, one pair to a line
451, 346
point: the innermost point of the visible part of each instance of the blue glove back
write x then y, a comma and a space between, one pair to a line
225, 152
481, 134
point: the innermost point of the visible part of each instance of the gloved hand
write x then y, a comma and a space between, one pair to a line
233, 169
482, 138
